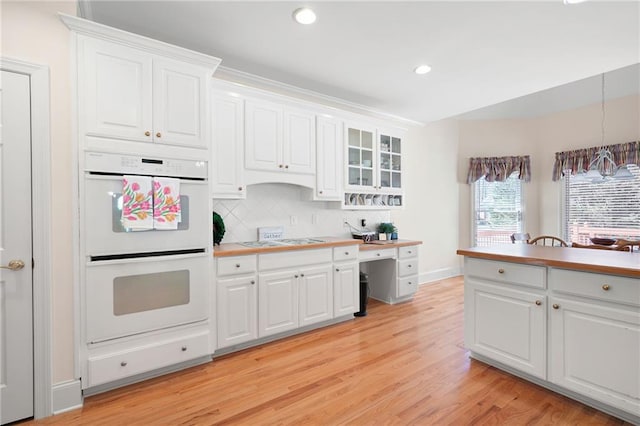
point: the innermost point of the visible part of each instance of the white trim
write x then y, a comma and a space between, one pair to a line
41, 225
67, 396
245, 79
438, 275
93, 29
85, 9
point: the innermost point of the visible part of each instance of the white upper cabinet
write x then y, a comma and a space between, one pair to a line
361, 164
389, 162
329, 159
278, 138
227, 146
130, 91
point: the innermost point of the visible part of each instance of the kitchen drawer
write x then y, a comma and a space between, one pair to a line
610, 288
506, 272
345, 253
389, 253
237, 265
115, 366
293, 258
407, 285
407, 267
407, 252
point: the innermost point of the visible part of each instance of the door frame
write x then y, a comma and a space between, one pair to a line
41, 226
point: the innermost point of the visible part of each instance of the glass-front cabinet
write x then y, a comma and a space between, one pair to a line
390, 162
361, 157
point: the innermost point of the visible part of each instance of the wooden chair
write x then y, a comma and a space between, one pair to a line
548, 240
620, 242
599, 247
520, 238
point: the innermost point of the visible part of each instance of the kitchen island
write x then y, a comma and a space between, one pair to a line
565, 318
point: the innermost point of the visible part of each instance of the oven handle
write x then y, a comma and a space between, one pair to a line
144, 255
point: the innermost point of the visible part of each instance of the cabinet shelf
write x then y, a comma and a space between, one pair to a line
372, 201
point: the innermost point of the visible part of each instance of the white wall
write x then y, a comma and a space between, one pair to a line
32, 32
430, 156
541, 138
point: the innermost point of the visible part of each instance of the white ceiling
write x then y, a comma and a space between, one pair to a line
482, 53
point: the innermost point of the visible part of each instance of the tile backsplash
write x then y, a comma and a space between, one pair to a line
275, 204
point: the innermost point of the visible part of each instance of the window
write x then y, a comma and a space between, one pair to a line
497, 210
608, 209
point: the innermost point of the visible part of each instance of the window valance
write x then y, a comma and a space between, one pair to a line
498, 169
579, 160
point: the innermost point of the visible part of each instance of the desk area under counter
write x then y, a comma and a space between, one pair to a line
266, 293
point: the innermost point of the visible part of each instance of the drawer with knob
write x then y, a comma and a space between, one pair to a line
407, 252
407, 285
345, 253
407, 267
126, 363
234, 265
610, 288
506, 272
389, 253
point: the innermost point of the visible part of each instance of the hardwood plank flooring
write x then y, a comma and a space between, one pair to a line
402, 364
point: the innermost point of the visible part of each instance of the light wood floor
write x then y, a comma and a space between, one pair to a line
402, 364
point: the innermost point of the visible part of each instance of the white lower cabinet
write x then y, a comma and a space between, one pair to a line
506, 325
278, 302
315, 295
346, 287
237, 310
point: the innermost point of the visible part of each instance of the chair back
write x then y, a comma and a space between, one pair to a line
620, 242
520, 238
548, 240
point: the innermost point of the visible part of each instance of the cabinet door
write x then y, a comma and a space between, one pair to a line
115, 90
390, 162
263, 136
278, 302
595, 351
316, 295
361, 153
237, 310
227, 150
506, 325
179, 103
299, 148
329, 169
346, 288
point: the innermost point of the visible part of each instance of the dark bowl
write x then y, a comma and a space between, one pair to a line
603, 241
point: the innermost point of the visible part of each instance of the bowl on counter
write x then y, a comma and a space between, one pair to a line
603, 241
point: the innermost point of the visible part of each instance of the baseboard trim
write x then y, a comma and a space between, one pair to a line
439, 274
67, 396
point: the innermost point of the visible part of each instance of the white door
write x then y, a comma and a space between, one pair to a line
506, 325
329, 169
237, 310
263, 136
16, 321
316, 295
115, 90
179, 103
595, 351
299, 153
277, 302
346, 285
227, 151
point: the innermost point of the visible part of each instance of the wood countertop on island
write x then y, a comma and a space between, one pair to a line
588, 260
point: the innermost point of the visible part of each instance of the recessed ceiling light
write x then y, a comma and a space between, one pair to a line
304, 16
422, 69
573, 1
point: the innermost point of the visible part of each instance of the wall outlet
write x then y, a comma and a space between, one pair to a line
363, 222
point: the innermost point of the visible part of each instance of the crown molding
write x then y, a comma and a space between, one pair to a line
94, 29
242, 78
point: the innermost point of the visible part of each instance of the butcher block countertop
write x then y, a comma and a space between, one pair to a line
588, 260
236, 249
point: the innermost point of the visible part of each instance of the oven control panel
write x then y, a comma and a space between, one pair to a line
141, 165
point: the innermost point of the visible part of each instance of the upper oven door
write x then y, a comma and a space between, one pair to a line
104, 233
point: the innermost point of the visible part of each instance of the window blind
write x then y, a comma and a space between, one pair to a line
497, 210
608, 209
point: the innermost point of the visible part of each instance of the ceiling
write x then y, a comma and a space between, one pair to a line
364, 52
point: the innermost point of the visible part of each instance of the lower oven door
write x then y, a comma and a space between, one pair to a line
104, 231
126, 297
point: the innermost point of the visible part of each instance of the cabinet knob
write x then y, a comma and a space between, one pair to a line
606, 287
377, 254
123, 364
237, 265
409, 266
346, 253
556, 306
337, 269
302, 275
410, 283
538, 302
253, 282
409, 252
280, 165
239, 188
147, 133
501, 271
319, 192
286, 167
295, 276
184, 349
158, 135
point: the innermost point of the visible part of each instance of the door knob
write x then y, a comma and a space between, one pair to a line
14, 265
